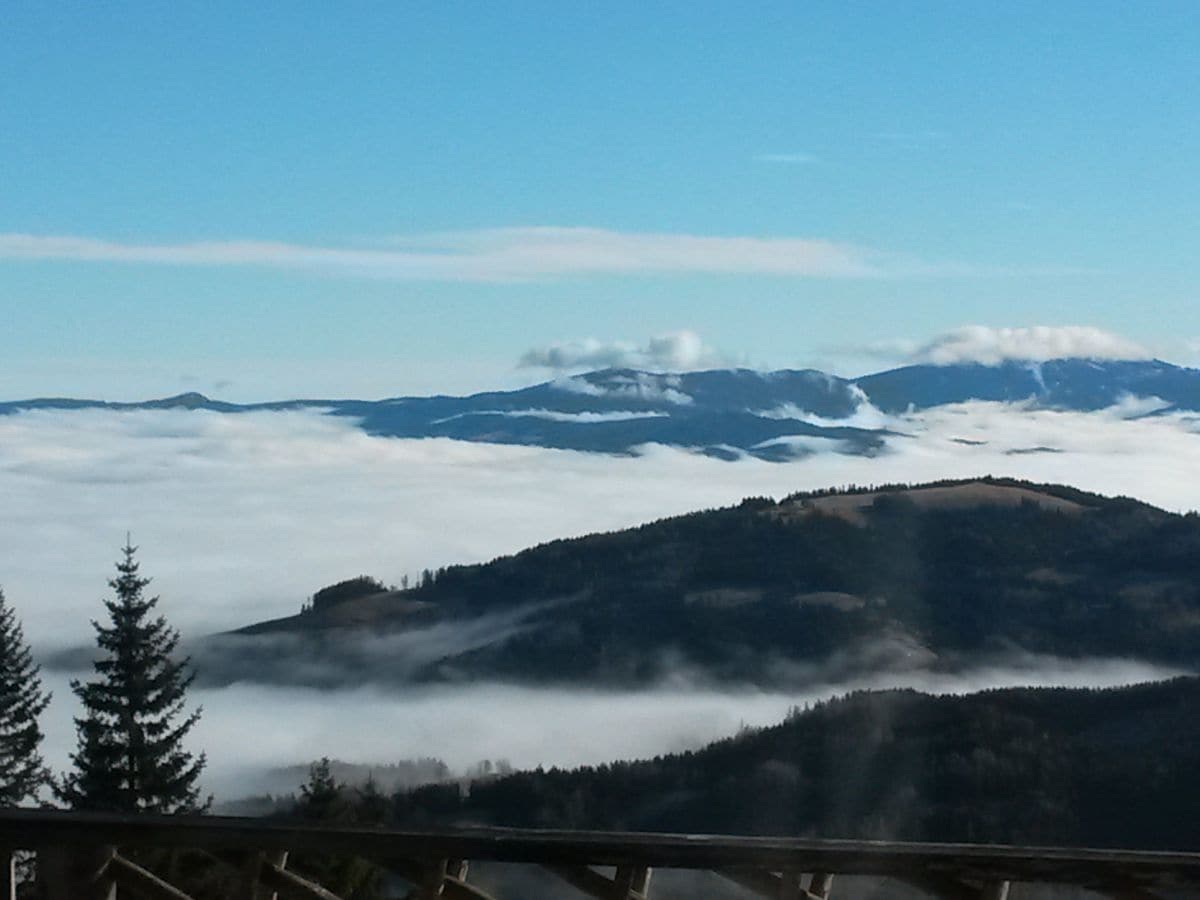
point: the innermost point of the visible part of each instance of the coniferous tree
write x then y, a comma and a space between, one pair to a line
130, 755
22, 700
324, 799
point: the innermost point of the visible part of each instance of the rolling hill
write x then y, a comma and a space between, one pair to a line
943, 576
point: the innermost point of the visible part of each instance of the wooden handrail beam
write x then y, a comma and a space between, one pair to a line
957, 869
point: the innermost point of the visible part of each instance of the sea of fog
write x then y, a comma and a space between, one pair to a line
241, 517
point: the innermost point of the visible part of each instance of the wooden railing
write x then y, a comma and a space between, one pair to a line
81, 856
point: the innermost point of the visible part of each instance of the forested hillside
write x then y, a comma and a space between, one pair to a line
946, 576
1030, 766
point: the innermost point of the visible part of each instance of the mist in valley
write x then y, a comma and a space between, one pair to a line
250, 731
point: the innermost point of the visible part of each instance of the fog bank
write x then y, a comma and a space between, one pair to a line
247, 730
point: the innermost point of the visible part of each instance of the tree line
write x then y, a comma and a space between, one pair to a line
130, 755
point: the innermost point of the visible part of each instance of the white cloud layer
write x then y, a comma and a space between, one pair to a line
677, 351
990, 346
242, 517
496, 254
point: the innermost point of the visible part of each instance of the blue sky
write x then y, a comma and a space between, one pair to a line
286, 199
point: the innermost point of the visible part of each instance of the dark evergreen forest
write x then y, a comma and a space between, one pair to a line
1071, 767
766, 592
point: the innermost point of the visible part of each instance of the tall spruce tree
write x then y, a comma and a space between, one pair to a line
22, 700
130, 756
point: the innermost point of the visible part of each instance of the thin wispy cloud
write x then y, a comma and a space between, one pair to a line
493, 255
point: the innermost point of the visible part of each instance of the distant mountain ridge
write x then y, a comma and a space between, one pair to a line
1070, 384
725, 413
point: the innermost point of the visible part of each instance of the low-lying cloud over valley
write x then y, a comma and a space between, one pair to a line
524, 726
241, 517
